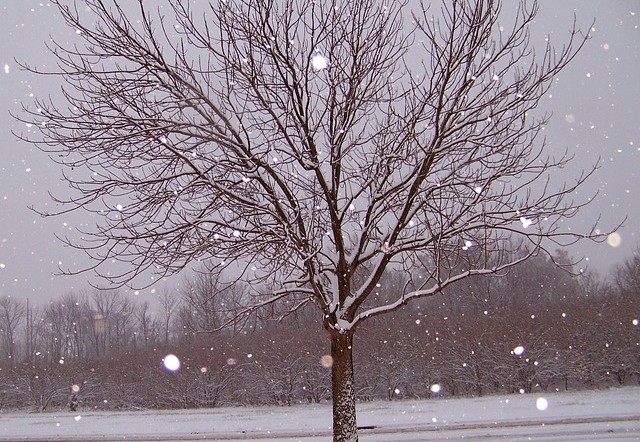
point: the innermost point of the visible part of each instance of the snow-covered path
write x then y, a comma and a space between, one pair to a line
611, 415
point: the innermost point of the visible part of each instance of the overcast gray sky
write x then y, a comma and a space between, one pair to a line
595, 105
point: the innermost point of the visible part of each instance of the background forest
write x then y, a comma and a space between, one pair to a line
534, 328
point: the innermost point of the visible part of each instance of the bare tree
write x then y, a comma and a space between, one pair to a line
208, 301
33, 330
147, 327
112, 320
55, 316
311, 145
12, 313
168, 306
627, 276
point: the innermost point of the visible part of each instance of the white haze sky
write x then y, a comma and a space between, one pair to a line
596, 114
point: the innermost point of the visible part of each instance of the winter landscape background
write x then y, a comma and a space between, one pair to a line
532, 332
535, 329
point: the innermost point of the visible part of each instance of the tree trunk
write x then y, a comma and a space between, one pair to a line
343, 388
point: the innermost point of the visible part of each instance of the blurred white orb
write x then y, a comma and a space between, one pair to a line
541, 403
171, 362
614, 239
319, 62
326, 361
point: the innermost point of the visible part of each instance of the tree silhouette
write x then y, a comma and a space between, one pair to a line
311, 146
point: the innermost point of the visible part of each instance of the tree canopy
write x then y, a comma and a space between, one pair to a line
312, 144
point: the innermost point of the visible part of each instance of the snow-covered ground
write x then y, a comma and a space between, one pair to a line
611, 415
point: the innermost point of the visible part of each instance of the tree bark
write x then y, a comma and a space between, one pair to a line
343, 388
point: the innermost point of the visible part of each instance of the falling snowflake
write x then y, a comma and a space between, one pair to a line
526, 222
614, 239
542, 404
319, 62
171, 362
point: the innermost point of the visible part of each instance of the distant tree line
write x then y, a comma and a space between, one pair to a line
534, 328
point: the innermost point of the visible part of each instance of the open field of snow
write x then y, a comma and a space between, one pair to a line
611, 415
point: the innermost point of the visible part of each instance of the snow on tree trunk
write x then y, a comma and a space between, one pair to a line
342, 381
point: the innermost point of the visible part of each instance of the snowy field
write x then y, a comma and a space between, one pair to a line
611, 415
